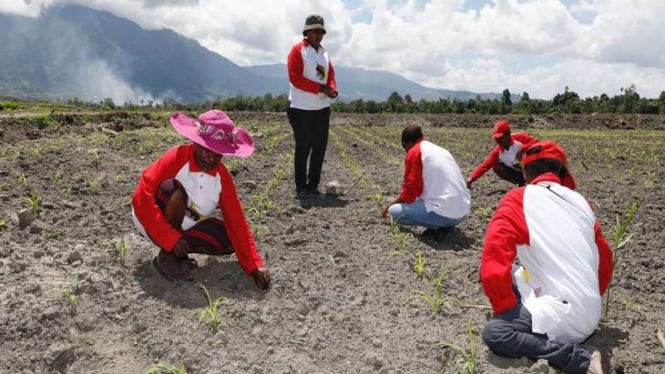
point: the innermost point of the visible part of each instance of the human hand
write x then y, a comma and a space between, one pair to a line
468, 183
261, 277
181, 247
384, 212
332, 94
324, 89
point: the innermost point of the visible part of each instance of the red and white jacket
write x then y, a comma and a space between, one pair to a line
305, 79
431, 174
566, 261
510, 157
206, 191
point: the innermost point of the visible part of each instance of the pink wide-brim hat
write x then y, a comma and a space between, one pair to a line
215, 131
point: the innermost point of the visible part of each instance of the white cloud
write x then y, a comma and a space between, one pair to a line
592, 46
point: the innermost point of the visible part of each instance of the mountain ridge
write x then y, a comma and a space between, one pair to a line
75, 51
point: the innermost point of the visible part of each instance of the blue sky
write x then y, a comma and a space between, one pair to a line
535, 46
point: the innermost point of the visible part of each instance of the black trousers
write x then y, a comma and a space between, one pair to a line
310, 131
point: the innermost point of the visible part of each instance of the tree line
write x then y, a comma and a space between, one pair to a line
628, 101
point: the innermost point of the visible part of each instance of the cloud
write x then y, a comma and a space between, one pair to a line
439, 42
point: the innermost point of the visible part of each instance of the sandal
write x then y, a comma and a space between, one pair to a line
170, 269
189, 262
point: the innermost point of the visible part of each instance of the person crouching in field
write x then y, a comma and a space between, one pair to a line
176, 197
433, 192
548, 306
505, 157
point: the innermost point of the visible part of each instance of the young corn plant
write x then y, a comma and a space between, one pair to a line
56, 177
467, 361
72, 300
95, 158
400, 238
650, 181
122, 247
167, 369
435, 300
619, 239
419, 267
485, 212
22, 180
34, 202
209, 315
378, 200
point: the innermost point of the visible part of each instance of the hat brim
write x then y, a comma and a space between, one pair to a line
498, 135
243, 147
316, 26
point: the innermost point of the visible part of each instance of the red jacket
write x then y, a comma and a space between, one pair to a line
549, 228
519, 141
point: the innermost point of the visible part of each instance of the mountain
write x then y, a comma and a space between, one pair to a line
376, 85
75, 51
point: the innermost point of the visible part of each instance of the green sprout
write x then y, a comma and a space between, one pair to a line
56, 177
419, 267
650, 181
167, 369
22, 180
209, 315
400, 238
619, 240
34, 202
122, 247
467, 362
378, 200
436, 300
72, 300
95, 158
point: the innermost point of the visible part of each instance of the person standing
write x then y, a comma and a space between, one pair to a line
176, 198
433, 192
504, 159
312, 85
550, 304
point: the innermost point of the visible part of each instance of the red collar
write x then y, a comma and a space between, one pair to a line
546, 177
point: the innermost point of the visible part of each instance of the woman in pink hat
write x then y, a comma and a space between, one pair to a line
313, 84
177, 195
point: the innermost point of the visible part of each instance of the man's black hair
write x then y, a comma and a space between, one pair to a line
545, 165
411, 133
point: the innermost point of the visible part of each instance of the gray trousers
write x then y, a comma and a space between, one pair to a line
509, 335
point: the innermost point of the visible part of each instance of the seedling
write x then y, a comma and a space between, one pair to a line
419, 267
72, 300
209, 315
436, 300
400, 238
378, 200
123, 247
3, 223
56, 177
34, 202
22, 180
650, 181
485, 212
95, 158
167, 369
94, 185
467, 362
619, 239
